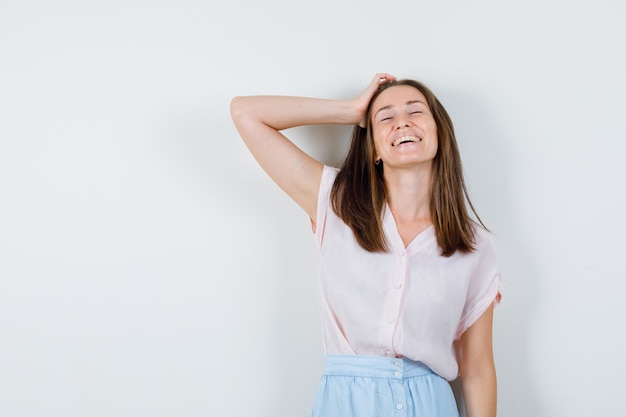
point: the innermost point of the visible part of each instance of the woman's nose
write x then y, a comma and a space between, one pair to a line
402, 123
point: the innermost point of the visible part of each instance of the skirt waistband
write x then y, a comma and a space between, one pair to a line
374, 367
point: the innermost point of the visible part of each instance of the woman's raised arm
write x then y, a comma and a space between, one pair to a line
259, 120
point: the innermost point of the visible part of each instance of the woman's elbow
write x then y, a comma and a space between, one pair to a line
236, 108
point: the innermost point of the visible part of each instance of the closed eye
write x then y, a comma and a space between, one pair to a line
415, 107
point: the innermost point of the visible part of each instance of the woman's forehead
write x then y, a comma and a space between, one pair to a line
398, 95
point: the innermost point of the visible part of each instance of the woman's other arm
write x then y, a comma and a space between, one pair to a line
478, 373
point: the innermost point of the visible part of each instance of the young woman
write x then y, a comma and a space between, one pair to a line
408, 279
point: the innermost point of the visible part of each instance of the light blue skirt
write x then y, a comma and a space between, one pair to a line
372, 386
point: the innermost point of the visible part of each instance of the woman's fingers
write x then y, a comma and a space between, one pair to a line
366, 96
383, 77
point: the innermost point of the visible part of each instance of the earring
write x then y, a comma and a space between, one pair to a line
377, 162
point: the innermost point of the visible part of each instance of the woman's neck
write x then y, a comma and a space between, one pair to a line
408, 194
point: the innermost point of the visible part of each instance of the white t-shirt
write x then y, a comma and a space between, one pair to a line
409, 302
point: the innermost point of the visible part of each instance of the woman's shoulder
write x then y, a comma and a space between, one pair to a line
329, 174
483, 238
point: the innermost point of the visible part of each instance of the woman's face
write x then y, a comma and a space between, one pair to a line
403, 127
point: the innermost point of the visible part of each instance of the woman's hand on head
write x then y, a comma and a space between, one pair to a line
362, 101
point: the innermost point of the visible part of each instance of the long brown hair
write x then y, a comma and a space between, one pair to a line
359, 196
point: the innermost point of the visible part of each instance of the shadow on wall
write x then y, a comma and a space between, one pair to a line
487, 162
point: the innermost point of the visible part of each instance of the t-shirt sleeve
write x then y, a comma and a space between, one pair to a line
485, 283
323, 203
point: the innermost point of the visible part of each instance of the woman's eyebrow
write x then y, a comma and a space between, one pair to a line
382, 108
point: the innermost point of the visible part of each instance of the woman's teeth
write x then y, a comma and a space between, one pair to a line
405, 139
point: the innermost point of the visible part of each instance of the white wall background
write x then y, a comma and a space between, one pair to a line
148, 267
